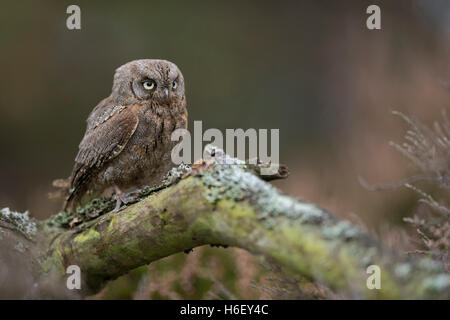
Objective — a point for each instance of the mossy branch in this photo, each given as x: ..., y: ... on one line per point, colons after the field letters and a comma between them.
x: 221, y: 201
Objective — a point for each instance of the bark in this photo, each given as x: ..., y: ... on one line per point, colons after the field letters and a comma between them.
x: 221, y: 204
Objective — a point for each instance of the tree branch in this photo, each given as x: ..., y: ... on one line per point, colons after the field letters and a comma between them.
x: 223, y: 202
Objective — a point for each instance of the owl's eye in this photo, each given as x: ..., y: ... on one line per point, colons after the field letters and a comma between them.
x: 149, y: 85
x: 174, y: 85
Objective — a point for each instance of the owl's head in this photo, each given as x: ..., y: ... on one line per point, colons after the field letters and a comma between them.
x: 148, y: 79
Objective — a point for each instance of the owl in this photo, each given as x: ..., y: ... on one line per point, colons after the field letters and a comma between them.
x: 127, y: 143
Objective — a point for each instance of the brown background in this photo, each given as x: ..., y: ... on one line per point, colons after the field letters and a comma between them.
x: 309, y: 68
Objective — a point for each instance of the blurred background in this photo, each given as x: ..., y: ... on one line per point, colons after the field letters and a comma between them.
x: 310, y: 68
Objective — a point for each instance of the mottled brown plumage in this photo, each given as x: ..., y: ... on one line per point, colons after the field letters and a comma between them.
x: 127, y: 141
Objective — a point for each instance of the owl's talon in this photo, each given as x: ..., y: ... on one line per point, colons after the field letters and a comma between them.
x: 134, y: 193
x: 125, y: 198
x: 120, y: 198
x: 132, y: 196
x: 118, y: 204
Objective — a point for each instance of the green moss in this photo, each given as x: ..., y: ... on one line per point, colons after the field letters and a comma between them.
x: 53, y: 261
x: 89, y: 211
x: 316, y: 255
x: 61, y: 219
x: 96, y: 208
x: 237, y: 211
x: 128, y: 252
x: 88, y: 236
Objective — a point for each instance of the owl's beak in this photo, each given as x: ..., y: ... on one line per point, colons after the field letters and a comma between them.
x: 166, y: 93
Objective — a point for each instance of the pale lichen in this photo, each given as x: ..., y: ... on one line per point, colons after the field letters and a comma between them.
x: 403, y: 271
x: 175, y: 174
x: 429, y: 265
x: 20, y: 221
x: 226, y: 178
x: 342, y: 229
x: 20, y: 247
x: 437, y: 283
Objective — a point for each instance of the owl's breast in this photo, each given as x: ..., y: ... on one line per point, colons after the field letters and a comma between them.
x: 157, y: 124
x: 147, y: 157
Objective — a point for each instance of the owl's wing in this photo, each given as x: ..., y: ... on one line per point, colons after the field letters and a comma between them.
x: 104, y: 140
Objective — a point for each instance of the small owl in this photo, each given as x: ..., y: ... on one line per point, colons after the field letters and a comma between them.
x: 127, y: 143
